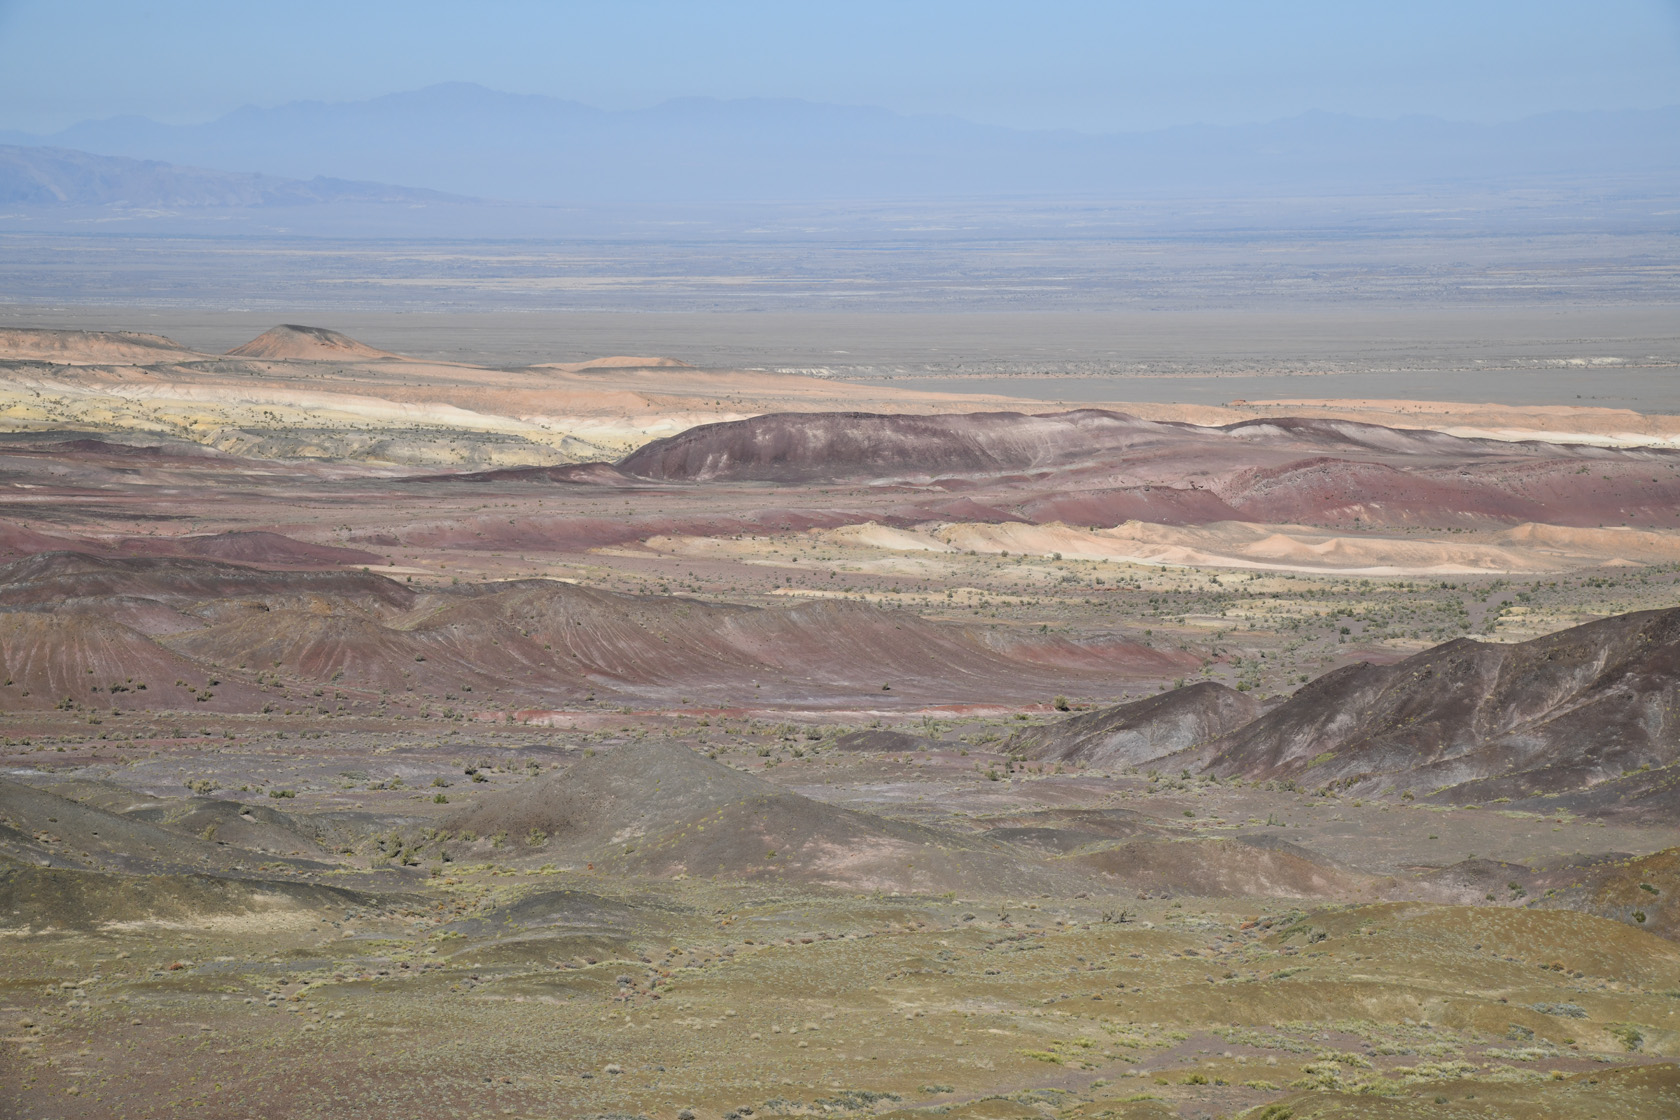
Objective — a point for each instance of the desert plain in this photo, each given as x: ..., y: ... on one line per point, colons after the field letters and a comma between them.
x: 634, y: 736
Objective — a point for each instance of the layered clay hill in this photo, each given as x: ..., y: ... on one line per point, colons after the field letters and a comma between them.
x: 309, y: 393
x: 1098, y: 467
x: 251, y: 546
x: 1559, y: 713
x: 799, y: 447
x: 159, y: 633
x: 660, y: 809
x: 24, y: 344
x: 1140, y: 732
x: 308, y: 343
x: 1584, y: 721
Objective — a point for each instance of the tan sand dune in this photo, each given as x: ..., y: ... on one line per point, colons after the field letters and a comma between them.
x: 1237, y: 544
x: 1636, y: 545
x: 1530, y: 548
x: 872, y: 535
x: 617, y: 361
x: 1608, y: 427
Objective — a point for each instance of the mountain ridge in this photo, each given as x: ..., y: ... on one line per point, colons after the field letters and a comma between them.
x: 53, y: 176
x: 466, y: 139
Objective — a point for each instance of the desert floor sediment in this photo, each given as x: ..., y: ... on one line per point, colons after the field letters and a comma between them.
x: 615, y: 736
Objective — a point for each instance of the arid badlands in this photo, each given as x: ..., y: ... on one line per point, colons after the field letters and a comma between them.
x: 396, y: 737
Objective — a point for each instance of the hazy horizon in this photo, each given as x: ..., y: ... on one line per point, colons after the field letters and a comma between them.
x: 49, y: 130
x: 821, y: 125
x: 479, y: 144
x: 1089, y: 67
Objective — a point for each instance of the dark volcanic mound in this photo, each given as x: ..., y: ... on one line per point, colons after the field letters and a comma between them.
x: 616, y: 795
x: 565, y: 910
x: 1643, y: 891
x: 1142, y: 731
x: 43, y: 829
x: 1066, y: 830
x: 42, y: 899
x: 253, y: 827
x: 894, y: 742
x: 1544, y: 716
x: 1650, y: 796
x: 290, y: 340
x: 1233, y: 867
x: 1639, y: 891
x: 661, y: 809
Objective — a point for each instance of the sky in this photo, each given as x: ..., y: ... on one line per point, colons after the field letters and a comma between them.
x: 1091, y: 66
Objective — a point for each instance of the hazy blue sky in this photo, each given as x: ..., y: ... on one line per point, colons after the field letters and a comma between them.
x: 1075, y: 64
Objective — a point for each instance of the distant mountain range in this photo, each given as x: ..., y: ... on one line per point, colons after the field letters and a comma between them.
x: 467, y: 140
x: 62, y: 177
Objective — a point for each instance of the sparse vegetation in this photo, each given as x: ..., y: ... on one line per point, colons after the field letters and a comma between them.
x: 858, y: 861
